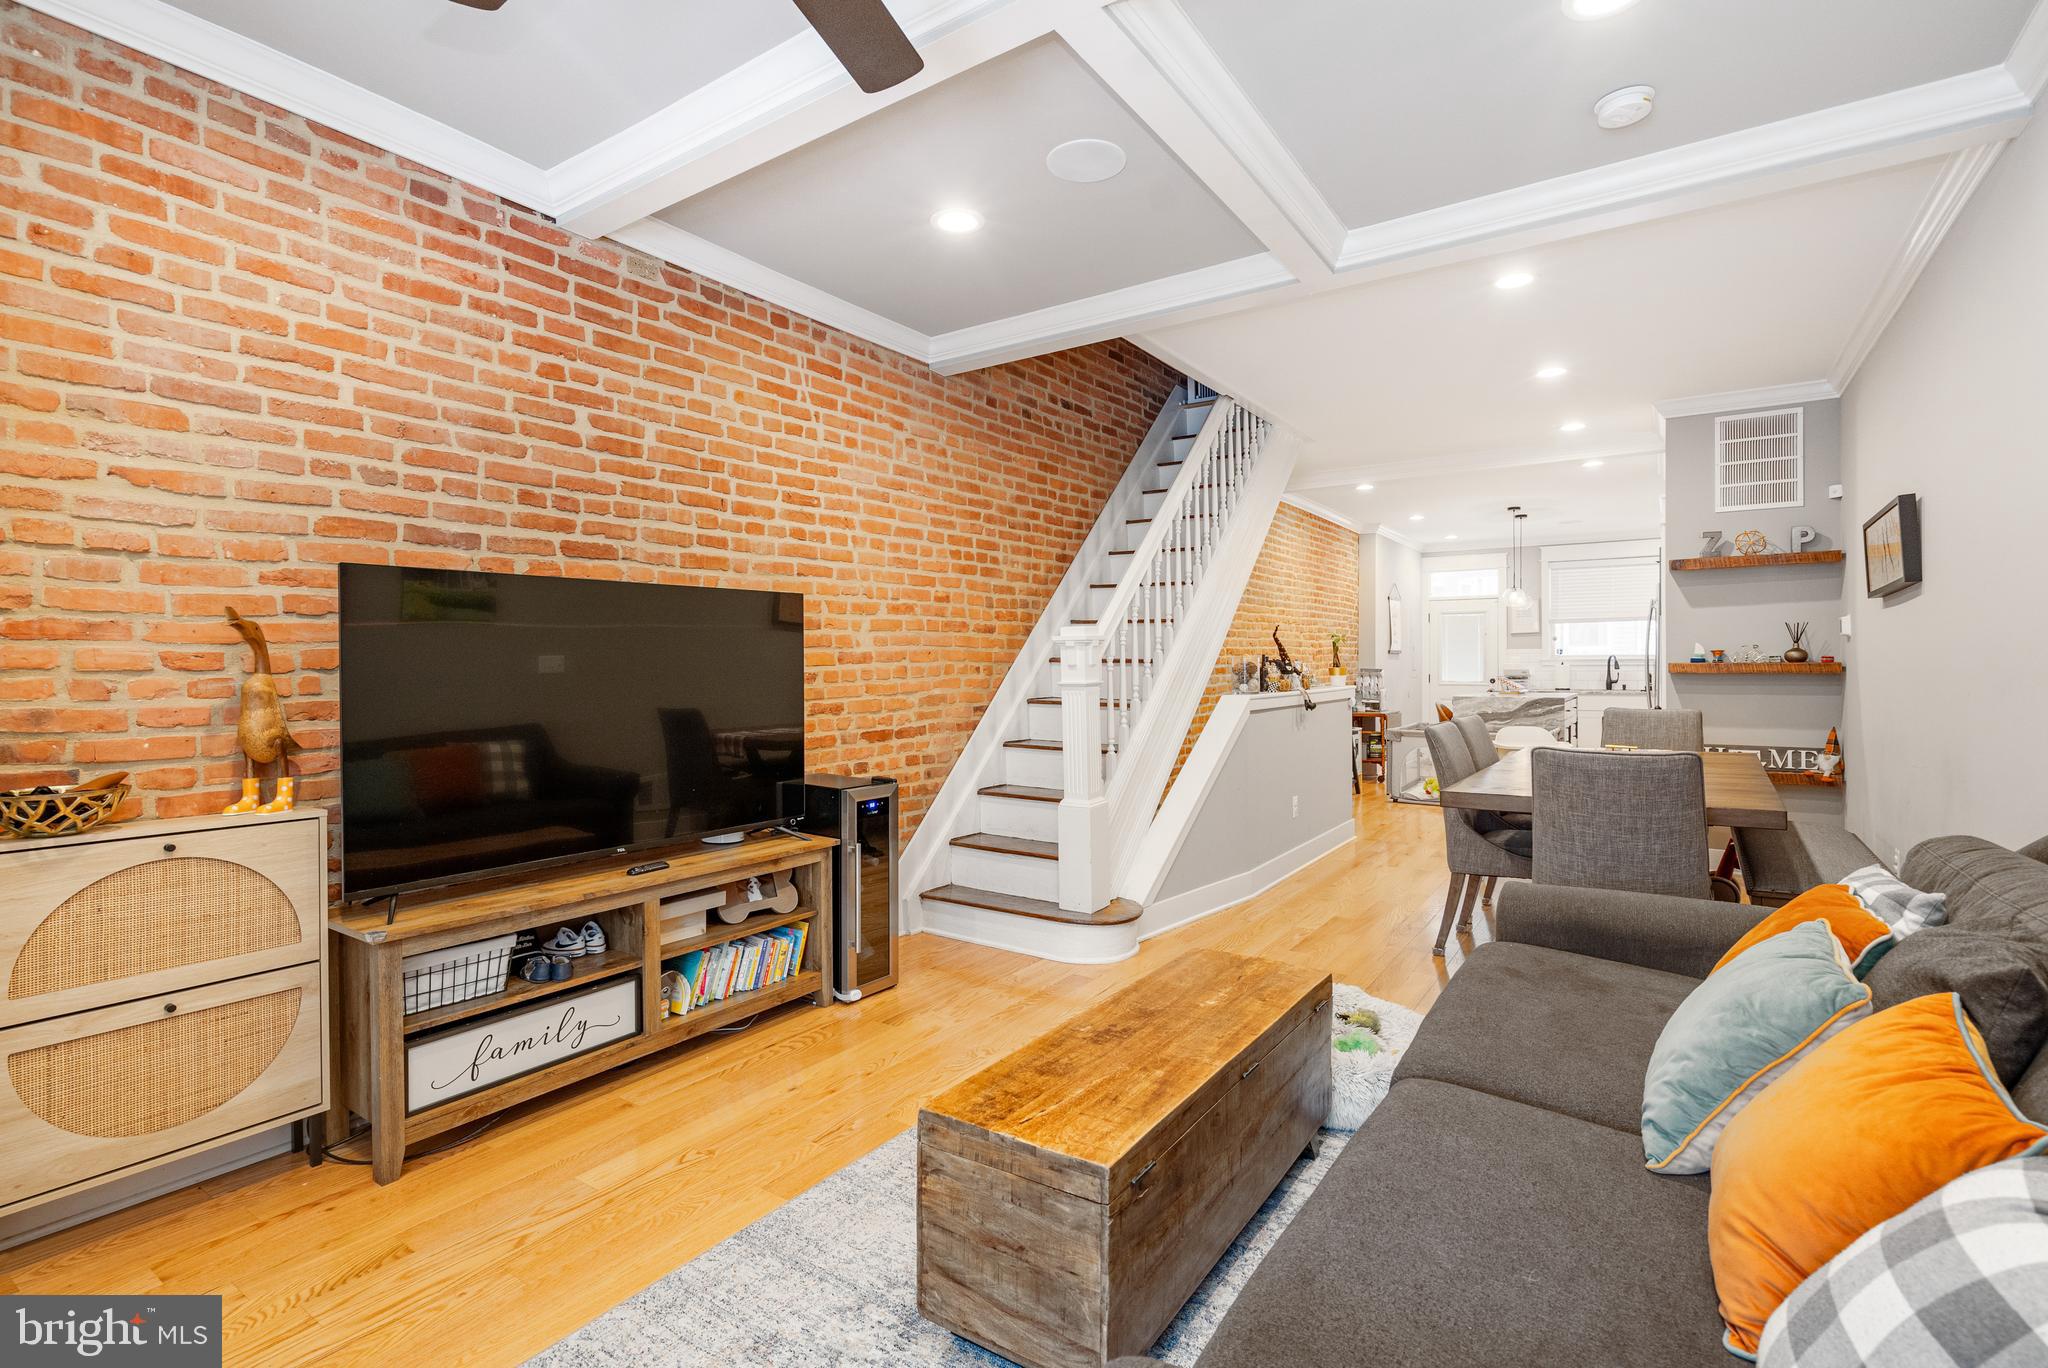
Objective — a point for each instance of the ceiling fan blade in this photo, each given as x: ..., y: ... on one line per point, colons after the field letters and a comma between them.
x: 866, y: 39
x: 483, y: 4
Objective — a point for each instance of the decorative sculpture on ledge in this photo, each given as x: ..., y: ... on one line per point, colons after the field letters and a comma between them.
x: 262, y: 731
x: 1285, y: 664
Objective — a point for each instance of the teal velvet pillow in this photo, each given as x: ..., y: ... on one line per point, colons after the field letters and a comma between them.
x: 1747, y: 1022
x: 379, y: 791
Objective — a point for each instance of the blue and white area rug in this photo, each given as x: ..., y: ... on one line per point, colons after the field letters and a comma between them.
x: 775, y: 1294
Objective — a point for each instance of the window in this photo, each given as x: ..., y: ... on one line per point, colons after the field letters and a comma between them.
x: 1477, y: 583
x: 1600, y: 608
x: 1760, y: 461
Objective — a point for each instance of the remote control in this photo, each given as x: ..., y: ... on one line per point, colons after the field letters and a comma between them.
x: 650, y: 867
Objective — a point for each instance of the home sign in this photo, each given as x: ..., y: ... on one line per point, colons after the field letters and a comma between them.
x: 490, y: 1051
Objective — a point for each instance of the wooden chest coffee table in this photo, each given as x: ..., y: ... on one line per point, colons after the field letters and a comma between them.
x: 1072, y: 1196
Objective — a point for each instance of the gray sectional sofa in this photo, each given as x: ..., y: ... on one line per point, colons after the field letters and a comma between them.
x: 1495, y: 1209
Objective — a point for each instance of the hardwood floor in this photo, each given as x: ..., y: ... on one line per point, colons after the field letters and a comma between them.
x: 494, y: 1250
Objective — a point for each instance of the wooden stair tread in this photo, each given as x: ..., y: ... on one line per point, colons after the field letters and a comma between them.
x: 1169, y: 463
x: 1117, y: 913
x: 1029, y: 793
x: 1008, y: 845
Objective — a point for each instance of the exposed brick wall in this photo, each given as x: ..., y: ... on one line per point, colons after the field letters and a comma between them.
x: 1305, y: 583
x: 237, y: 348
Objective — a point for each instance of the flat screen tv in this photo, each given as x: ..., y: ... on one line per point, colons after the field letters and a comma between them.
x: 491, y: 722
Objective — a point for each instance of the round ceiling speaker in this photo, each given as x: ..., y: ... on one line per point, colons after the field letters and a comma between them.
x: 1085, y: 160
x: 1620, y: 108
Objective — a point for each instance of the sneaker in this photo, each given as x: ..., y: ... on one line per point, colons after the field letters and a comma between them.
x: 593, y: 938
x: 558, y: 969
x: 534, y: 969
x: 565, y: 942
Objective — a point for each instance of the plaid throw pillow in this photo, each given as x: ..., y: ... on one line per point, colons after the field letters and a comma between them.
x: 505, y: 770
x: 1959, y: 1278
x: 1904, y: 908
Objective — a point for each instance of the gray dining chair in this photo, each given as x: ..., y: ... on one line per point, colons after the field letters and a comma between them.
x: 1478, y: 740
x: 1676, y: 729
x: 1608, y: 819
x: 1479, y: 848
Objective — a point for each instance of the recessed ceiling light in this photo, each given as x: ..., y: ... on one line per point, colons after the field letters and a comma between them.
x: 1591, y: 465
x: 1365, y: 489
x: 1573, y: 426
x: 1085, y: 160
x: 1552, y: 373
x: 1620, y: 108
x: 1595, y: 9
x: 1513, y: 280
x: 1414, y: 517
x: 1450, y: 536
x: 956, y: 220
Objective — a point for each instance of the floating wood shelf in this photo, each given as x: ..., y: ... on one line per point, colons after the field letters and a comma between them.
x: 1805, y: 779
x: 583, y: 973
x: 1758, y: 562
x: 1757, y: 667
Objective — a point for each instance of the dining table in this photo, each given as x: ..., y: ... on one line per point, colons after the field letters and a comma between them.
x: 1739, y: 790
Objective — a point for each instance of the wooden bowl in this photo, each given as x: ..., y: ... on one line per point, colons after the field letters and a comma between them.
x: 63, y: 813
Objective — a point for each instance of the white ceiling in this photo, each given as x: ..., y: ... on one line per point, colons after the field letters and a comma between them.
x: 1318, y: 195
x: 1565, y: 502
x: 1405, y: 105
x: 851, y: 212
x: 1441, y: 363
x: 540, y: 79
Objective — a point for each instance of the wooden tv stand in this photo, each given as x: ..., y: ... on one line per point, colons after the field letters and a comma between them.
x: 372, y: 1030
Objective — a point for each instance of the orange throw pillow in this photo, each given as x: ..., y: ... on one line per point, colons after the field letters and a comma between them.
x: 1864, y: 935
x: 1891, y: 1109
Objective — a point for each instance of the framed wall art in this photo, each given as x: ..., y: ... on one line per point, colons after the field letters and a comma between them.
x: 1891, y: 547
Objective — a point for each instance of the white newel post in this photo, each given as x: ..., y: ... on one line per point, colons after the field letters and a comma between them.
x: 1084, y: 810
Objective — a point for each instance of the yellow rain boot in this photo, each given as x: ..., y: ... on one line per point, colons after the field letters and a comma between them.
x: 252, y: 794
x: 283, y: 801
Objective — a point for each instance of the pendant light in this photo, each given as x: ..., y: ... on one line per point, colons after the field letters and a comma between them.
x: 1517, y: 596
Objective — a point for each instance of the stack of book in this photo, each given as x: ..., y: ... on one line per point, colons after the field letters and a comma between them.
x: 740, y: 966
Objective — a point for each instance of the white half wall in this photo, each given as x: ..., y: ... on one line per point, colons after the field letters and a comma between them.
x: 1940, y: 728
x: 1265, y: 791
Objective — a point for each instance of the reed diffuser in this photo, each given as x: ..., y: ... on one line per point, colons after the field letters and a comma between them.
x: 1797, y: 631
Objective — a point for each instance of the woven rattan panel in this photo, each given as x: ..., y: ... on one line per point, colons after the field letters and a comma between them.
x: 159, y: 915
x: 143, y: 1079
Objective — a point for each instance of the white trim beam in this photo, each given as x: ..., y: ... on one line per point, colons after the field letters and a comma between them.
x: 1766, y: 396
x: 1476, y: 462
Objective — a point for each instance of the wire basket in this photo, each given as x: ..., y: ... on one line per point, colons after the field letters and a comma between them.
x: 64, y: 813
x: 442, y: 978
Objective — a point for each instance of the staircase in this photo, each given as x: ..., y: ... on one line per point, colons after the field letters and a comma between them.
x: 1025, y: 844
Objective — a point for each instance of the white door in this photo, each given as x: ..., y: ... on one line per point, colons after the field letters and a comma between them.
x: 1464, y: 648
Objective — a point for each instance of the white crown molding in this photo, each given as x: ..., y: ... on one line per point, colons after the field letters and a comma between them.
x: 1960, y: 176
x: 1391, y: 534
x: 794, y: 93
x: 1767, y: 396
x: 1162, y: 31
x: 2028, y: 60
x: 1984, y: 105
x: 1323, y: 511
x: 222, y: 55
x: 1476, y: 462
x: 692, y: 253
x: 1111, y: 314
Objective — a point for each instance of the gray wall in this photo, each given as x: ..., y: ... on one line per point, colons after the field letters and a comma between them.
x: 1952, y: 406
x: 1730, y: 608
x: 1286, y: 781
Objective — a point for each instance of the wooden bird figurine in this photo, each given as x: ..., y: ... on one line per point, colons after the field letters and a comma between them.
x: 262, y: 728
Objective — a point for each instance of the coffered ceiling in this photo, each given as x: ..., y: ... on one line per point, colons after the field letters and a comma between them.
x: 1316, y: 192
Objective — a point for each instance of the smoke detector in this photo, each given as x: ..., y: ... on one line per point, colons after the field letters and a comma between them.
x: 1620, y: 108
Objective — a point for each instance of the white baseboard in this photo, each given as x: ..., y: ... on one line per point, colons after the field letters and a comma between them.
x: 1170, y: 914
x: 64, y: 1212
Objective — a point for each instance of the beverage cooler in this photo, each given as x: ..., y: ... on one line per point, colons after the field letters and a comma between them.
x: 861, y: 813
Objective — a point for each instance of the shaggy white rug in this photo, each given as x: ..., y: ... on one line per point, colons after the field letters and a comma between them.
x: 1359, y: 1077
